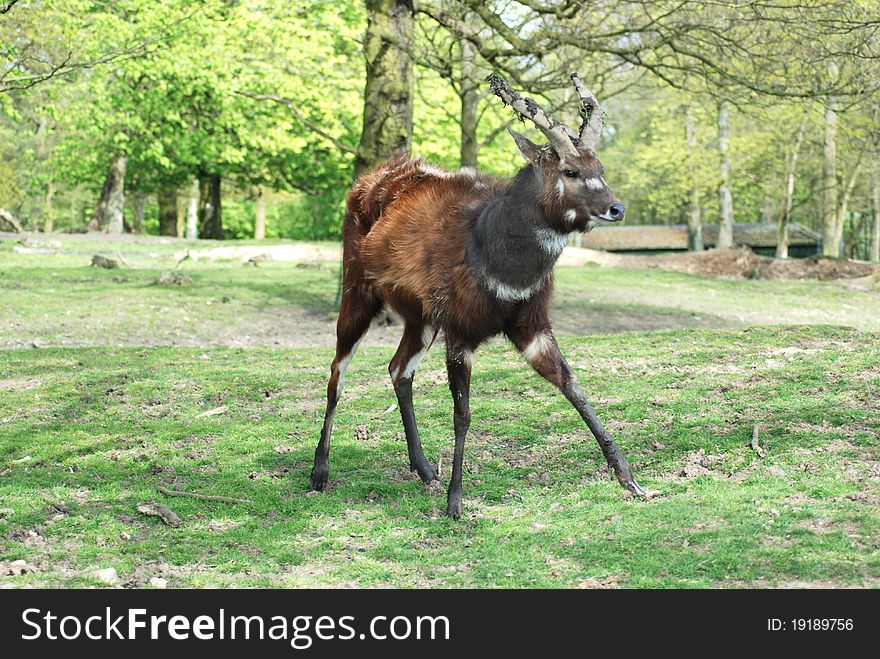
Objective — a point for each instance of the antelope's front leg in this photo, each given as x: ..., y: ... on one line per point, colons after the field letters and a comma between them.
x: 542, y: 352
x: 458, y: 366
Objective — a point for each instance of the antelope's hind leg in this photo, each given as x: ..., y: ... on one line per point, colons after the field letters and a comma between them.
x: 417, y: 338
x: 355, y: 315
x: 459, y: 360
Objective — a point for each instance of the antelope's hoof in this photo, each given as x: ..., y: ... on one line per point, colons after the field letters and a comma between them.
x: 631, y: 486
x: 453, y: 507
x: 319, y: 480
x: 426, y: 472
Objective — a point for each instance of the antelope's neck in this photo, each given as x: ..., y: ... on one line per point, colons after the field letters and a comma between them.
x: 513, y: 249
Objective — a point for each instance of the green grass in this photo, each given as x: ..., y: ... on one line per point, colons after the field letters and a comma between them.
x: 88, y: 433
x: 58, y: 301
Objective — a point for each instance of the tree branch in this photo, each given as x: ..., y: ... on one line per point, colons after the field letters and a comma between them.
x: 21, y: 83
x: 300, y: 117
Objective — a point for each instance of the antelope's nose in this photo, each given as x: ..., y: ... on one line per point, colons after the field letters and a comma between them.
x: 617, y: 211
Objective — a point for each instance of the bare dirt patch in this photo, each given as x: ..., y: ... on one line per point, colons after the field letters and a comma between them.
x: 302, y: 252
x: 696, y: 464
x: 742, y: 263
x: 20, y: 384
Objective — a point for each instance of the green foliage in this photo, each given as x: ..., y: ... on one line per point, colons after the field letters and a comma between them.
x: 175, y: 111
x: 159, y: 82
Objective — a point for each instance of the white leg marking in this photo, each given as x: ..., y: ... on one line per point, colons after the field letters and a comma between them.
x: 410, y: 367
x: 467, y: 357
x: 343, y: 367
x: 413, y: 363
x: 537, y: 345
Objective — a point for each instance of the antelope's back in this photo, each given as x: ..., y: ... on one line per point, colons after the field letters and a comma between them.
x: 409, y: 223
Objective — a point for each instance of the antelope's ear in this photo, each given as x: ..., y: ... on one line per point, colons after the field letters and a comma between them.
x: 529, y: 149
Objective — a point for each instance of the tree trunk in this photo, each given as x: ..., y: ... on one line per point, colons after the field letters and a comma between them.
x: 41, y: 156
x: 49, y: 209
x: 843, y: 208
x: 388, y: 94
x: 116, y: 198
x: 167, y: 212
x: 181, y: 215
x: 875, y: 203
x: 788, y: 204
x: 210, y: 211
x: 695, y: 211
x: 725, y: 196
x: 260, y: 216
x: 470, y: 148
x: 112, y: 196
x: 99, y: 213
x: 830, y: 245
x: 192, y: 211
x: 32, y: 213
x: 77, y: 207
x: 140, y: 202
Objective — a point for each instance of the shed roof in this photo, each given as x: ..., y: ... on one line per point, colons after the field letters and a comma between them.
x: 674, y: 236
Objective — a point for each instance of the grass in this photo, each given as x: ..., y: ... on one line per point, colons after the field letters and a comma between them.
x: 57, y: 301
x: 88, y: 433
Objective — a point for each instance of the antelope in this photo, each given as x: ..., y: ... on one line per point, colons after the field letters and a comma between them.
x: 471, y: 256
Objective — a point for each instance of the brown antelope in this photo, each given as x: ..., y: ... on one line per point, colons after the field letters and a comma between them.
x: 471, y: 256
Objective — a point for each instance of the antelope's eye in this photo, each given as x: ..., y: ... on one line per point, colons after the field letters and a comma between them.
x: 570, y: 173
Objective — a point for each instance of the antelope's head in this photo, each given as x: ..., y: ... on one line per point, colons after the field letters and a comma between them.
x: 575, y: 196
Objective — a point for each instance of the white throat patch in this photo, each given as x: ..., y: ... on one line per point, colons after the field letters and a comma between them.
x: 509, y: 293
x: 552, y: 242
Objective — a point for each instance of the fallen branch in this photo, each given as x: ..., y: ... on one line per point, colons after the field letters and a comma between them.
x: 756, y: 447
x: 214, y: 412
x: 9, y: 218
x: 122, y: 259
x: 204, y: 497
x: 160, y: 510
x: 181, y: 260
